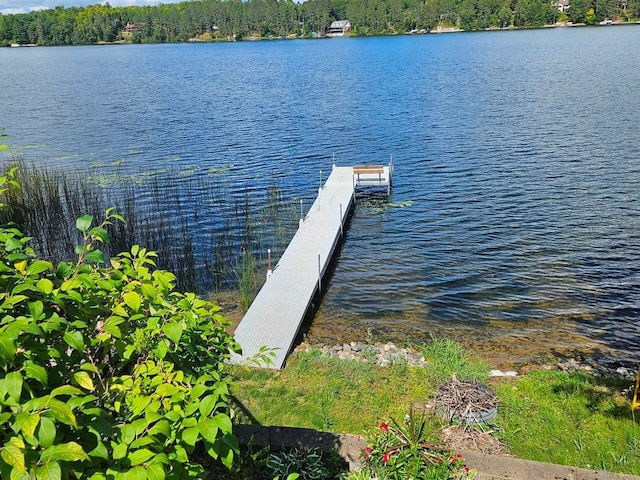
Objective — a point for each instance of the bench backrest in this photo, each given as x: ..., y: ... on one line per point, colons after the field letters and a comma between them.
x: 367, y: 169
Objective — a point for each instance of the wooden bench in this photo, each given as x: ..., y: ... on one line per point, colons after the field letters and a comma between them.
x: 369, y: 170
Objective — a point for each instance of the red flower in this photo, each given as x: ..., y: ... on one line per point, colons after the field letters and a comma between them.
x: 466, y: 469
x: 384, y: 427
x: 452, y: 459
x: 386, y: 457
x: 367, y: 449
x: 459, y: 456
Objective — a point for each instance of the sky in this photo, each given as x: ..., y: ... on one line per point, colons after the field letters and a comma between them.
x: 26, y: 6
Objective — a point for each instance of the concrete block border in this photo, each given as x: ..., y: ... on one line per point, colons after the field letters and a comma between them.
x: 350, y: 447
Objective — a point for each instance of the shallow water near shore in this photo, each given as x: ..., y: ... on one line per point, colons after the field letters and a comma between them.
x: 514, y: 221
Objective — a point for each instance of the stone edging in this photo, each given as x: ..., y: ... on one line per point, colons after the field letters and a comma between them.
x: 386, y: 354
x: 350, y: 447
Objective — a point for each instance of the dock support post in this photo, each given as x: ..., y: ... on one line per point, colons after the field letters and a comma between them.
x: 319, y: 274
x: 341, y: 232
x: 320, y: 187
x: 390, y: 179
x: 269, y: 270
x: 301, y: 216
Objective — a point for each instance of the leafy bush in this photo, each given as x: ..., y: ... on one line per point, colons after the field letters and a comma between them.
x: 106, y: 371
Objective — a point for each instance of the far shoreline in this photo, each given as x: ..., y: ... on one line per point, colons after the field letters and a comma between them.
x: 436, y: 31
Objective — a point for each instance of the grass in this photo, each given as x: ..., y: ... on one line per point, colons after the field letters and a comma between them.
x: 569, y: 418
x: 572, y: 419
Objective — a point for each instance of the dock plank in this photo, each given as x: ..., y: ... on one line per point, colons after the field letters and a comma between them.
x: 275, y: 316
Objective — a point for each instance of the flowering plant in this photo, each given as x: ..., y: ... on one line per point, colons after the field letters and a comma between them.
x: 405, y: 451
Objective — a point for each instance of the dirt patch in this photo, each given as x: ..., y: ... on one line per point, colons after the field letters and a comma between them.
x: 458, y: 437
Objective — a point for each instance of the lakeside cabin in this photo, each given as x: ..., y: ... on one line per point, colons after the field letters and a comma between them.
x: 339, y: 28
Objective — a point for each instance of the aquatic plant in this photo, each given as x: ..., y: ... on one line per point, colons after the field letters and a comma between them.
x: 200, y: 228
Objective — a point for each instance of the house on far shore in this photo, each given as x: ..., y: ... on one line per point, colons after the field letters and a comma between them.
x: 562, y: 5
x: 134, y: 27
x: 339, y: 28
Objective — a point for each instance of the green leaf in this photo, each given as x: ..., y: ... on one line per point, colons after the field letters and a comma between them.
x: 39, y: 266
x: 148, y: 290
x: 209, y: 430
x: 190, y: 435
x: 36, y: 372
x: 139, y: 403
x: 94, y: 256
x: 49, y: 471
x: 84, y: 222
x: 162, y: 349
x: 127, y: 433
x: 140, y: 456
x: 62, y: 412
x: 65, y: 390
x: 28, y: 428
x: 136, y: 473
x: 167, y: 390
x: 45, y: 285
x: 97, y: 476
x: 119, y: 451
x: 164, y: 278
x: 207, y: 403
x: 161, y: 427
x: 46, y: 432
x: 7, y: 347
x: 226, y: 455
x: 68, y: 452
x: 180, y: 454
x: 100, y: 234
x: 74, y: 340
x: 13, y: 454
x: 12, y: 244
x: 143, y: 441
x: 70, y: 284
x: 13, y: 384
x: 84, y: 380
x: 100, y: 451
x: 89, y: 367
x: 173, y: 330
x: 13, y: 300
x: 132, y: 299
x: 64, y: 270
x: 155, y: 472
x: 35, y: 309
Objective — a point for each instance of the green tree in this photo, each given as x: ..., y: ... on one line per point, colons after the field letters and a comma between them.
x: 577, y: 13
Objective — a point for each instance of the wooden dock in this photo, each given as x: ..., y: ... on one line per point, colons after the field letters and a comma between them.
x: 275, y: 316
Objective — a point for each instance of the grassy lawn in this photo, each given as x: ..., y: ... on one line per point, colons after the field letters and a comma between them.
x: 570, y: 418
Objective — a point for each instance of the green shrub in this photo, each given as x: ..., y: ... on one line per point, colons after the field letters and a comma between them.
x: 106, y: 371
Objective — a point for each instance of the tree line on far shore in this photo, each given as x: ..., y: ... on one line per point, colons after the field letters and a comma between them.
x: 236, y: 19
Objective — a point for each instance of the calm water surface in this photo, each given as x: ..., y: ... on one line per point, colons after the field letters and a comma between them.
x: 514, y: 219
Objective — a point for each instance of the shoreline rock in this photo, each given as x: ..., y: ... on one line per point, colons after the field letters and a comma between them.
x: 388, y: 354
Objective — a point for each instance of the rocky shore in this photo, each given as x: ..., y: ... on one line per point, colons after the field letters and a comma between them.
x: 386, y: 354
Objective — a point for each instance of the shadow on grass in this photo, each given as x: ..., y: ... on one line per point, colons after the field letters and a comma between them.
x: 602, y: 387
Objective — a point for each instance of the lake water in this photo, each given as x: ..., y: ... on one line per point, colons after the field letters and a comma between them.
x: 514, y: 221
